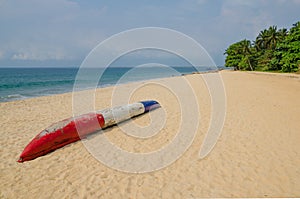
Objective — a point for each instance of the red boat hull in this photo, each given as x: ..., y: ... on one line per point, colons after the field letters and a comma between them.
x: 46, y: 142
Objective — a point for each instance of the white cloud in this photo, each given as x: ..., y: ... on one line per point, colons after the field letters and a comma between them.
x: 296, y: 1
x: 20, y: 56
x: 250, y: 17
x: 30, y: 55
x: 201, y: 2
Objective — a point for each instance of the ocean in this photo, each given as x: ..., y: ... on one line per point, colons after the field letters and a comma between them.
x: 22, y: 83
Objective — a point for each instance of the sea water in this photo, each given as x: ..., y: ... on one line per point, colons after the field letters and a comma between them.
x: 22, y: 83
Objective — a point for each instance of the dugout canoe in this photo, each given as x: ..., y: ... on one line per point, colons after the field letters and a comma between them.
x: 73, y: 129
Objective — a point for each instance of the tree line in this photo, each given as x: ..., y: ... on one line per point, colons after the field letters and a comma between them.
x: 273, y: 50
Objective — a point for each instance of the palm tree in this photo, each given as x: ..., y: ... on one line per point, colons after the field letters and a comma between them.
x: 273, y: 37
x: 245, y: 47
x: 261, y: 40
x: 245, y: 50
x: 282, y: 33
x: 268, y: 38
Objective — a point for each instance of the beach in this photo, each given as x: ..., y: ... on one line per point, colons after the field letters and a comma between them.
x: 256, y: 155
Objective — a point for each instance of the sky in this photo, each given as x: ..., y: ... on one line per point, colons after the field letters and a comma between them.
x: 61, y: 33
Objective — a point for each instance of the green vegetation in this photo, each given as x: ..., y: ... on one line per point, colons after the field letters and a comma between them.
x: 273, y: 50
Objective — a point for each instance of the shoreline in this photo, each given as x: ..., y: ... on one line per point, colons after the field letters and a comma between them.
x: 289, y: 75
x: 114, y: 85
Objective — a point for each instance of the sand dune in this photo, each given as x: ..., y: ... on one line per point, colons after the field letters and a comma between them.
x: 257, y: 154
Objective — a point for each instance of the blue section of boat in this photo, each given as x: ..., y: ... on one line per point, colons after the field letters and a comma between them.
x: 150, y: 105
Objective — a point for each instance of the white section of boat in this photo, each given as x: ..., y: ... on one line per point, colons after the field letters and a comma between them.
x: 118, y: 114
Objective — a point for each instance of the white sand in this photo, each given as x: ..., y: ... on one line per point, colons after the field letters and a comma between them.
x: 257, y: 154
